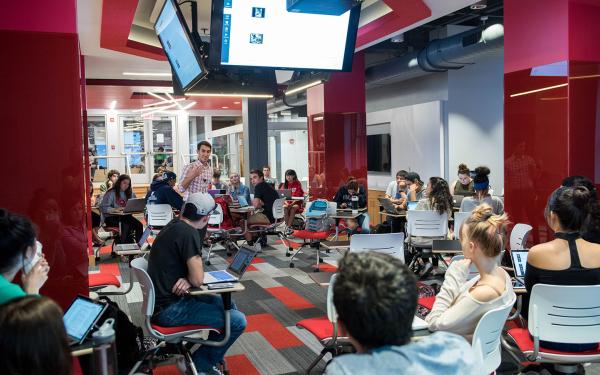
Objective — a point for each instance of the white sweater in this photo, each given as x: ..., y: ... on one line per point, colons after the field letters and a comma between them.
x: 455, y: 309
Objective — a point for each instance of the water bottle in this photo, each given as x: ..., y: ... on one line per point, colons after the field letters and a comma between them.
x: 104, y: 358
x: 354, y: 204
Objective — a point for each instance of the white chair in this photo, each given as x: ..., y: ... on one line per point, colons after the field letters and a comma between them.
x: 563, y: 314
x: 220, y: 233
x: 486, y: 339
x: 427, y: 224
x: 459, y: 219
x: 173, y: 335
x: 519, y: 236
x: 278, y: 215
x: 325, y: 329
x: 159, y: 215
x: 388, y: 243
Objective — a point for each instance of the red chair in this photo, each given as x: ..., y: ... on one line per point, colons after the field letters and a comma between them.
x: 325, y: 330
x: 173, y: 335
x: 309, y: 237
x: 562, y: 314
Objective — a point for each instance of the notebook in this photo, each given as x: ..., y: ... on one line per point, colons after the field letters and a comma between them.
x: 80, y: 318
x: 236, y: 269
x: 418, y: 324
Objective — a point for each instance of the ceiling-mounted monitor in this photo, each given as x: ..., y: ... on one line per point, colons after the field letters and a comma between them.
x: 181, y: 51
x: 265, y: 34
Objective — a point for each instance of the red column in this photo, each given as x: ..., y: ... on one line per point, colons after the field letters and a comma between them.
x: 42, y: 146
x: 551, y: 84
x: 337, y: 132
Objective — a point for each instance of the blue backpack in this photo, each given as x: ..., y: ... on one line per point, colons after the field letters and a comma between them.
x: 316, y: 216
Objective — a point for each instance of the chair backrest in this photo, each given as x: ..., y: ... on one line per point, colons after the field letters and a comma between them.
x: 216, y: 217
x: 565, y: 313
x: 388, y: 243
x: 331, y: 208
x: 278, y: 212
x: 519, y: 236
x: 459, y: 218
x: 140, y: 269
x: 427, y: 223
x: 159, y: 215
x: 331, y: 312
x: 486, y: 338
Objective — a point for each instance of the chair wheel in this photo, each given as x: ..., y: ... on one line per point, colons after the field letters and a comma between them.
x: 229, y: 254
x: 291, y: 265
x: 288, y: 254
x: 316, y: 270
x: 321, y: 260
x: 207, y: 262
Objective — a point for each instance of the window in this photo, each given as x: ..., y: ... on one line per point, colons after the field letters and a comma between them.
x: 197, y: 134
x: 97, y: 147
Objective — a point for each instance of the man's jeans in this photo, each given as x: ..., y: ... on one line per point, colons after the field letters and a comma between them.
x: 206, y: 310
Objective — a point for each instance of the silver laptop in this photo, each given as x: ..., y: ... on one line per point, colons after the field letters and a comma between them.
x: 236, y: 269
x: 242, y: 201
x: 135, y: 205
x: 387, y: 205
x: 134, y: 246
x: 519, y: 259
x: 285, y: 193
x: 80, y: 318
x: 457, y: 200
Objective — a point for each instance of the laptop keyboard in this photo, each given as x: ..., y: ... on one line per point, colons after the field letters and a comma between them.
x: 220, y: 275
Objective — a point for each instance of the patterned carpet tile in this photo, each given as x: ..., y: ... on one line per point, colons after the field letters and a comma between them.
x: 272, y: 330
x: 289, y: 298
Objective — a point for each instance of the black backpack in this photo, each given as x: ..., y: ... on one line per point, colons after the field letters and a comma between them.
x: 384, y: 227
x: 129, y: 337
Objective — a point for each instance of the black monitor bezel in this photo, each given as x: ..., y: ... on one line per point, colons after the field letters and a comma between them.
x: 195, y: 49
x: 216, y: 35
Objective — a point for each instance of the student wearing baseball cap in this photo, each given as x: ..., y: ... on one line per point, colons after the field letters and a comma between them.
x: 416, y: 187
x: 175, y: 265
x: 162, y: 191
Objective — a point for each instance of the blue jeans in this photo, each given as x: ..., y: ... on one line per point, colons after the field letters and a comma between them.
x: 204, y: 310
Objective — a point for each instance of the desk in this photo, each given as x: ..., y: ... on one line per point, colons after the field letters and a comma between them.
x: 237, y: 287
x: 242, y: 210
x: 397, y: 219
x: 345, y: 214
x: 86, y: 348
x: 336, y: 245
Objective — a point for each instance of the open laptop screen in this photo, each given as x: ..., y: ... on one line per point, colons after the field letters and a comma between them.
x: 411, y: 205
x: 145, y: 236
x: 519, y: 258
x: 241, y: 261
x: 81, y: 316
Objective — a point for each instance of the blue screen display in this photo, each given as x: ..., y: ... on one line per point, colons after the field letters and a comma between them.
x: 177, y: 45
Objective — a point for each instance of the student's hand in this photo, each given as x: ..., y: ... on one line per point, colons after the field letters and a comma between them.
x: 413, y: 187
x: 344, y: 205
x: 181, y: 287
x: 37, y: 276
x: 196, y: 170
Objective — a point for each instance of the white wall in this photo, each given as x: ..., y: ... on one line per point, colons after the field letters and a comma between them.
x: 294, y: 154
x: 476, y: 118
x: 424, y: 89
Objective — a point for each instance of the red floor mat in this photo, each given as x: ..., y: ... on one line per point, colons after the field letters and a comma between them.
x: 289, y: 298
x: 105, y: 250
x: 112, y: 268
x: 240, y: 364
x: 326, y: 267
x: 273, y: 331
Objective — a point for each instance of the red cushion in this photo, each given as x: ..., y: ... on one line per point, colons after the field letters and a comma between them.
x: 179, y: 329
x: 320, y: 327
x: 525, y: 344
x: 103, y: 279
x: 426, y: 302
x: 308, y: 235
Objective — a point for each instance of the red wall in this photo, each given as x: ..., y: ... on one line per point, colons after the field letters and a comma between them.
x: 42, y: 137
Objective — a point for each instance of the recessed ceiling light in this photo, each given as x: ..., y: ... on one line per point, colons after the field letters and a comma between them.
x: 236, y: 102
x: 225, y: 107
x: 479, y: 5
x: 147, y: 74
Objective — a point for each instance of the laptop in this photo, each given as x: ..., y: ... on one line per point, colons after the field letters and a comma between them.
x: 285, y: 193
x: 519, y: 259
x: 457, y: 200
x: 80, y: 318
x: 411, y: 205
x: 236, y: 269
x: 134, y: 246
x: 388, y: 206
x: 242, y: 201
x: 216, y: 192
x: 135, y: 205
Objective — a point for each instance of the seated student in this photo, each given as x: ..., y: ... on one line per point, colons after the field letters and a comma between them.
x: 236, y: 188
x: 216, y: 182
x: 18, y: 247
x: 464, y: 185
x: 375, y: 296
x: 292, y: 207
x: 415, y: 187
x: 591, y: 227
x: 96, y: 240
x: 268, y: 179
x: 162, y: 191
x: 568, y: 259
x: 33, y: 339
x: 264, y: 197
x: 461, y: 302
x: 397, y: 190
x: 343, y: 198
x: 112, y: 177
x: 175, y: 265
x: 114, y: 201
x: 481, y: 184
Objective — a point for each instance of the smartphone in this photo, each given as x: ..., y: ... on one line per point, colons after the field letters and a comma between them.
x: 29, y: 263
x: 220, y: 286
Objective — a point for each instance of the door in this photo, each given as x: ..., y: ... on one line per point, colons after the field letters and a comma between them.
x: 148, y: 145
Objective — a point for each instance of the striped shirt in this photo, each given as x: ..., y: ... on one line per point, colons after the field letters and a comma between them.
x: 198, y: 184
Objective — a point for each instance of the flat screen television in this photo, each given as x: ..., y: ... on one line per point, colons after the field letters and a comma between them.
x: 379, y: 153
x: 265, y: 34
x: 181, y: 51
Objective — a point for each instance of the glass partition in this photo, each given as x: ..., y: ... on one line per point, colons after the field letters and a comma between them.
x: 97, y: 147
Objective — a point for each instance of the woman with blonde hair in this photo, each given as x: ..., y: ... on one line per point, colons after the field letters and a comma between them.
x: 462, y: 302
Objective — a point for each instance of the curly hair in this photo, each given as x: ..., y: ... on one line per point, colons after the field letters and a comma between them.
x: 440, y: 198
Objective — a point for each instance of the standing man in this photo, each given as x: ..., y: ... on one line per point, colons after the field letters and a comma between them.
x: 196, y: 176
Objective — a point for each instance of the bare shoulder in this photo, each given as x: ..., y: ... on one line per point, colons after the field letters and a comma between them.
x: 539, y: 254
x: 483, y: 293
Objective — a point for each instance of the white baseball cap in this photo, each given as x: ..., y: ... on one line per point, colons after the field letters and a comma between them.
x: 203, y: 203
